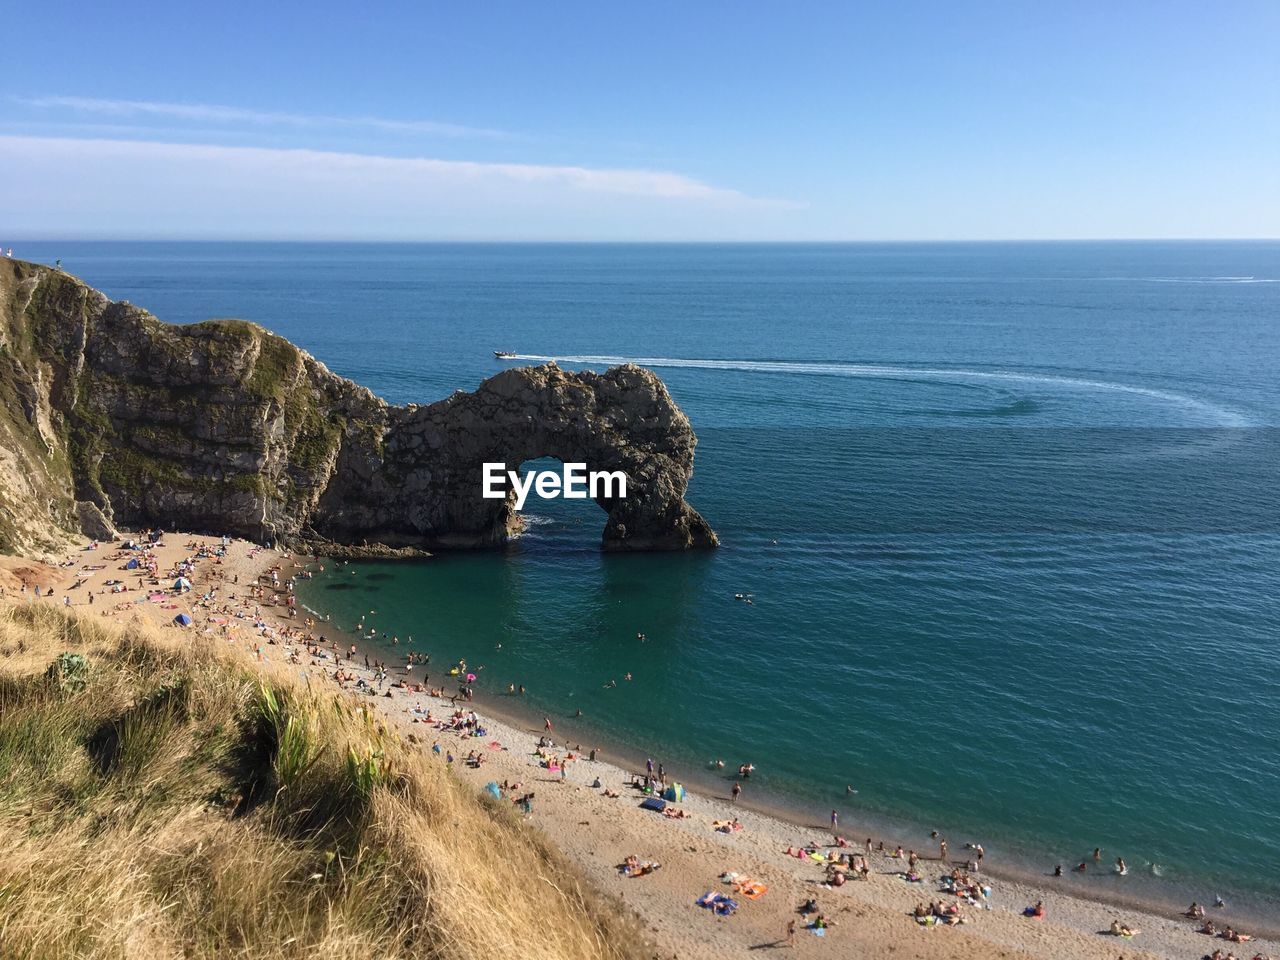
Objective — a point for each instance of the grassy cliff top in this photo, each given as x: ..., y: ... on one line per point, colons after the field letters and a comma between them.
x: 161, y: 797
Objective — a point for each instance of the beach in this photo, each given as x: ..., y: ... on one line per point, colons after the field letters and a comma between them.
x: 599, y: 832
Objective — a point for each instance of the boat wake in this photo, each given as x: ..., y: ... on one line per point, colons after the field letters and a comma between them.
x: 1221, y: 415
x: 1209, y: 280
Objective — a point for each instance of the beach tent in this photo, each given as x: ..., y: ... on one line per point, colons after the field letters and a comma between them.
x: 494, y: 789
x: 674, y: 793
x: 182, y: 620
x: 182, y: 583
x: 132, y: 564
x: 654, y: 803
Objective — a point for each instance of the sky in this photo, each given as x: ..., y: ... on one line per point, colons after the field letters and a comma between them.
x: 699, y: 120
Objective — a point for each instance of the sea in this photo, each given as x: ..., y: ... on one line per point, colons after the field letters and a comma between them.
x: 1000, y: 524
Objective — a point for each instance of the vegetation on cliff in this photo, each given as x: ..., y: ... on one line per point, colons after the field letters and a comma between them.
x: 160, y: 798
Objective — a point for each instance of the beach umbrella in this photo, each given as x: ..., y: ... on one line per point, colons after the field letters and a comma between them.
x: 182, y: 620
x: 182, y: 583
x: 132, y: 564
x: 471, y: 677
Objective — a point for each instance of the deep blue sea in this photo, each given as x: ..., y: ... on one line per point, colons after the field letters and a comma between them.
x: 1008, y: 515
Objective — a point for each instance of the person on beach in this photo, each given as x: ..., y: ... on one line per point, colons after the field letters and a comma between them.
x: 835, y: 821
x: 942, y: 850
x: 1119, y: 929
x: 736, y: 791
x: 546, y: 724
x: 791, y: 933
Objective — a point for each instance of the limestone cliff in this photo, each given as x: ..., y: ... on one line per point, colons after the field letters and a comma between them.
x: 108, y: 416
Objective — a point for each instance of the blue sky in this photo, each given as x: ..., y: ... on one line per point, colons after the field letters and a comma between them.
x: 695, y: 120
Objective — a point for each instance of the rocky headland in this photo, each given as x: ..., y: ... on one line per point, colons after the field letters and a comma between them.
x: 110, y: 417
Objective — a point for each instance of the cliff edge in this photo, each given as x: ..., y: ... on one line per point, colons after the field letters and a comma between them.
x: 109, y: 416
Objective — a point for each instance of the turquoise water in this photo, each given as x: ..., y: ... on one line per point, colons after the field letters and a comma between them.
x: 1026, y: 580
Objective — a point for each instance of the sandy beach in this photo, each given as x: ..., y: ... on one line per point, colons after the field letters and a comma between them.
x: 241, y: 592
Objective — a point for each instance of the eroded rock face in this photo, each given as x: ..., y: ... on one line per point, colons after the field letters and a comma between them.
x: 111, y: 416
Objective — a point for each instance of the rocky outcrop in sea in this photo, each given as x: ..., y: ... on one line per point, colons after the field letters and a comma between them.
x: 111, y: 417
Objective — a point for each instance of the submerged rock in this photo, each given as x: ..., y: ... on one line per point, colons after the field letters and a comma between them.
x: 111, y: 417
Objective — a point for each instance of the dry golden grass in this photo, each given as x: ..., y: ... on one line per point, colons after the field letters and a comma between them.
x: 181, y: 804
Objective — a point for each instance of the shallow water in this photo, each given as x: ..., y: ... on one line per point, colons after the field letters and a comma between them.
x: 1026, y: 578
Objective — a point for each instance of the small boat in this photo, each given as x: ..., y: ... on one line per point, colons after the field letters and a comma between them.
x: 503, y: 355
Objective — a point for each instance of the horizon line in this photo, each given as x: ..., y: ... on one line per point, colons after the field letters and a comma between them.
x: 479, y: 241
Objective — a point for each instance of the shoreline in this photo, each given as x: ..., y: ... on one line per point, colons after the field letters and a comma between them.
x: 597, y: 832
x: 792, y: 811
x: 1021, y: 866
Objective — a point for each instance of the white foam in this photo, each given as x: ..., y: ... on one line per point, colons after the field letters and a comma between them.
x: 1225, y: 415
x: 1208, y: 280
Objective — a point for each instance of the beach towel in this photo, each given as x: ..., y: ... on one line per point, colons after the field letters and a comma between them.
x: 718, y: 903
x: 653, y: 803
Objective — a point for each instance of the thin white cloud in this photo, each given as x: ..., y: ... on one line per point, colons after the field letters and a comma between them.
x: 131, y: 187
x: 229, y: 116
x: 332, y: 165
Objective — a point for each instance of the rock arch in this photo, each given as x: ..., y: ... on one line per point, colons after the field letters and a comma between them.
x: 108, y: 415
x: 623, y: 419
